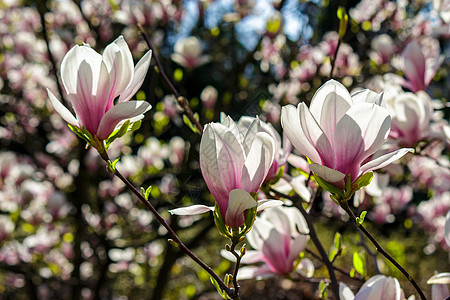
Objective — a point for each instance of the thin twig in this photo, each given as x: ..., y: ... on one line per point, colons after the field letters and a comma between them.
x: 180, y: 99
x: 333, y: 61
x: 347, y: 209
x: 373, y: 255
x: 234, y: 243
x: 172, y: 233
x: 312, y: 233
x: 49, y: 52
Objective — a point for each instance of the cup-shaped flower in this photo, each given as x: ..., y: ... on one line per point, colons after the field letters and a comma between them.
x: 188, y: 53
x: 99, y: 87
x: 230, y: 160
x: 277, y: 237
x: 411, y: 116
x: 418, y: 69
x: 339, y: 133
x: 378, y: 287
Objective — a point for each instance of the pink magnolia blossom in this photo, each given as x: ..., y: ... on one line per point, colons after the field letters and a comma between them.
x: 411, y: 116
x: 277, y: 237
x: 417, y: 68
x: 378, y: 287
x: 94, y: 82
x: 339, y: 132
x: 234, y: 165
x: 439, y: 286
x: 188, y: 53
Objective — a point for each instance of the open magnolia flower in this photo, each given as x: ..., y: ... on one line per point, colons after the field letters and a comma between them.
x: 278, y: 236
x: 339, y: 133
x: 378, y: 287
x: 234, y: 166
x: 99, y: 87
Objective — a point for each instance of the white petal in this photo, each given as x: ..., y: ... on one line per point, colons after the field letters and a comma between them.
x: 250, y: 257
x: 384, y: 160
x: 191, y: 210
x: 140, y: 71
x: 447, y: 229
x: 345, y: 293
x: 254, y: 272
x: 62, y: 110
x: 119, y: 112
x: 440, y: 278
x: 290, y: 122
x: 306, y: 268
x: 258, y: 162
x: 266, y: 203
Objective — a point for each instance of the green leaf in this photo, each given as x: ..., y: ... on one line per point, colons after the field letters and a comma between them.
x: 117, y: 133
x: 189, y: 123
x: 360, y: 219
x: 323, y: 289
x: 220, y: 224
x: 358, y: 263
x: 146, y: 192
x: 219, y: 290
x: 337, y: 240
x: 364, y: 180
x: 329, y: 187
x: 112, y: 165
x: 343, y: 21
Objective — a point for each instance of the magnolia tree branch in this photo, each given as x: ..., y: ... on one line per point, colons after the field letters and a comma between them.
x: 312, y: 233
x: 347, y: 209
x: 234, y: 243
x: 172, y: 233
x: 180, y: 99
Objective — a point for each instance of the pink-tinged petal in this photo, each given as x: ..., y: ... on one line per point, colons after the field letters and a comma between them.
x: 249, y: 132
x: 298, y: 162
x: 298, y: 184
x: 230, y: 156
x: 297, y: 221
x: 238, y: 203
x: 62, y: 110
x: 384, y: 160
x: 259, y: 233
x: 119, y: 112
x: 191, y: 210
x: 265, y: 204
x: 275, y: 250
x: 250, y: 257
x: 328, y: 106
x: 140, y: 71
x: 430, y: 71
x: 290, y: 122
x: 327, y: 174
x: 210, y: 168
x: 316, y: 137
x: 118, y: 60
x: 258, y: 162
x: 306, y: 268
x: 358, y: 135
x: 279, y: 220
x: 345, y: 293
x: 71, y: 63
x: 439, y: 292
x: 330, y: 93
x: 447, y: 229
x: 259, y: 273
x: 414, y: 66
x: 297, y: 246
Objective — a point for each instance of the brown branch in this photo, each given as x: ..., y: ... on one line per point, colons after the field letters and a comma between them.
x: 180, y: 99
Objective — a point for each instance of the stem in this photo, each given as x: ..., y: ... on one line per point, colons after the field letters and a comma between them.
x: 180, y: 99
x: 312, y: 233
x: 234, y: 243
x: 333, y: 61
x: 174, y: 236
x: 347, y: 209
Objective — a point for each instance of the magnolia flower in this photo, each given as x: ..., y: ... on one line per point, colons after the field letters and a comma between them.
x: 99, y: 87
x: 411, y: 116
x: 188, y: 53
x: 281, y: 154
x: 417, y: 69
x: 383, y: 48
x: 233, y: 165
x: 339, y: 132
x: 378, y: 287
x: 278, y: 236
